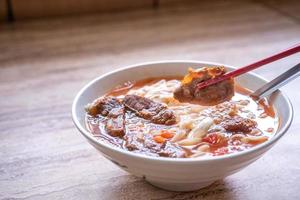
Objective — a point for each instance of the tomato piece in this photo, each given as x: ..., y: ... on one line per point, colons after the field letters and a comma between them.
x: 166, y: 134
x: 216, y: 139
x: 211, y: 138
x: 159, y: 139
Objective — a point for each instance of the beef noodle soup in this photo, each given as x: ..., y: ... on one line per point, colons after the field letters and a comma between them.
x: 144, y: 117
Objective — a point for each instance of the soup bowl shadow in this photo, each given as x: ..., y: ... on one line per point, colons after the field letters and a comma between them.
x: 176, y: 174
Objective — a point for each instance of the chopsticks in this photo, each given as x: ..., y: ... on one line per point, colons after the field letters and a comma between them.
x: 250, y: 67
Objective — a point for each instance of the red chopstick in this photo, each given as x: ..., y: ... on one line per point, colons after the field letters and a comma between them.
x: 250, y: 67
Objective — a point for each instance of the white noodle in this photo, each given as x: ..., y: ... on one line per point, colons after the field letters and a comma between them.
x: 201, y: 128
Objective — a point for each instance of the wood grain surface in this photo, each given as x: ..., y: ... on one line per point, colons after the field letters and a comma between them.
x: 44, y: 63
x: 54, y: 8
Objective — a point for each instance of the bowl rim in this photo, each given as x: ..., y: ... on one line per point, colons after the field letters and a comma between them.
x: 124, y: 152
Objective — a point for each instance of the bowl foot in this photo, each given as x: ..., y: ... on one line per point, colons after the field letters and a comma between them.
x: 180, y: 187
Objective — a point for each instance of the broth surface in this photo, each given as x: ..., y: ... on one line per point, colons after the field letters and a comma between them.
x: 199, y: 131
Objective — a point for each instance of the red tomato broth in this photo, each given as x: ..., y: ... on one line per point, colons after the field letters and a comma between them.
x: 217, y: 145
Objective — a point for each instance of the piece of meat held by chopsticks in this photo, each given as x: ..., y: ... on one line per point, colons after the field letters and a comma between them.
x: 211, y: 86
x: 210, y: 95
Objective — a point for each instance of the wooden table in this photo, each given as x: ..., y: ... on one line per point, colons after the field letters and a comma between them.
x: 43, y: 64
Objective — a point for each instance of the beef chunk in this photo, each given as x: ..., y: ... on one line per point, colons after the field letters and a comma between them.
x: 144, y: 143
x: 115, y: 126
x: 132, y: 141
x: 211, y: 95
x: 150, y: 110
x: 169, y: 149
x: 113, y: 110
x: 104, y: 106
x: 239, y: 124
x: 141, y: 143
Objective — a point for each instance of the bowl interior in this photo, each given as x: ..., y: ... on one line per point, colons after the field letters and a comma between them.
x: 104, y: 83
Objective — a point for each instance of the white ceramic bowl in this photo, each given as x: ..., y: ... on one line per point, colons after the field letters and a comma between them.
x: 177, y: 174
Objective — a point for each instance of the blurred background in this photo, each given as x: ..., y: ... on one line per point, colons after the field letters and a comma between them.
x: 32, y: 9
x: 49, y: 49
